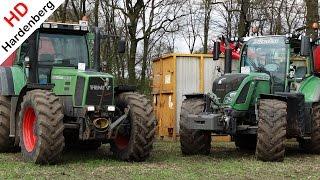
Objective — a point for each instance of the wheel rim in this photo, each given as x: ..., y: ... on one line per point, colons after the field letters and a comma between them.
x: 28, y: 129
x: 121, y: 142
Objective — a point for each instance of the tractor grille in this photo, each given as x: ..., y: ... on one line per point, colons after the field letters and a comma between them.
x: 97, y: 89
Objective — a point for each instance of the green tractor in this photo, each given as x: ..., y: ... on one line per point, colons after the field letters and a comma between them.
x: 52, y: 96
x: 274, y: 96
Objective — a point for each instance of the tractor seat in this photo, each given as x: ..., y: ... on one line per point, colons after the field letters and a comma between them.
x: 301, y: 72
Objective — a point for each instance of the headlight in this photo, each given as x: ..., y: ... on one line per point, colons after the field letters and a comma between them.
x: 111, y: 108
x: 228, y: 98
x: 90, y: 108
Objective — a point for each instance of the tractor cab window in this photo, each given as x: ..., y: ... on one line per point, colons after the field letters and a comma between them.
x: 268, y: 55
x: 62, y: 50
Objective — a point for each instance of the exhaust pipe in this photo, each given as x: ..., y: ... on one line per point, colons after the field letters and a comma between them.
x: 101, y: 124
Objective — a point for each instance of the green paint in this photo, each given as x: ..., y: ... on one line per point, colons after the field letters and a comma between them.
x: 310, y: 87
x: 259, y: 84
x: 19, y: 79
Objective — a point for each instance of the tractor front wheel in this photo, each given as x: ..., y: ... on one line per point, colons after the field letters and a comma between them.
x: 135, y: 139
x: 271, y: 130
x: 193, y: 141
x: 41, y: 127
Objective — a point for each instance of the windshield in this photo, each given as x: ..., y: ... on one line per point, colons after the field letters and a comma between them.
x: 268, y: 55
x: 62, y: 50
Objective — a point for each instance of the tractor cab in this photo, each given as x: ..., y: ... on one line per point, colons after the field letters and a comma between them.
x: 278, y: 56
x: 54, y: 45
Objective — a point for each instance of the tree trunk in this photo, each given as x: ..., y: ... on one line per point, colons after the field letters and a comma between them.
x: 207, y: 16
x: 144, y: 63
x: 64, y: 12
x: 312, y: 16
x: 244, y: 24
x: 96, y: 13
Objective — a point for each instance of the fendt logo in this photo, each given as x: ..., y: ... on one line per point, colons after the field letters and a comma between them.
x: 19, y: 19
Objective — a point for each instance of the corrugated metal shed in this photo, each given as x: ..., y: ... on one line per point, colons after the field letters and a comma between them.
x: 175, y: 75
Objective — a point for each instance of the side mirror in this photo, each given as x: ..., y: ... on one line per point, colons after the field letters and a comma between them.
x: 216, y: 51
x: 305, y: 48
x: 121, y: 46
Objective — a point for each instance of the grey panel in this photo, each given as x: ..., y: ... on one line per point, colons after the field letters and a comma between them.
x: 188, y: 80
x: 6, y: 81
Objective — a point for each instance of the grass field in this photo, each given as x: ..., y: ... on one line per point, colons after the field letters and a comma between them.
x: 166, y: 162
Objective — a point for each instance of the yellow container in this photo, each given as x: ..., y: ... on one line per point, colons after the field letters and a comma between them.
x: 175, y: 75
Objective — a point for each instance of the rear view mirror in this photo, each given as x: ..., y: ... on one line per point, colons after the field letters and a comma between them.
x: 305, y: 49
x: 216, y: 51
x: 121, y: 46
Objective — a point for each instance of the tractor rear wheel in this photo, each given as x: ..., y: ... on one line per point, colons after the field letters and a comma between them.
x: 136, y: 135
x: 245, y: 142
x: 271, y: 130
x: 313, y: 145
x: 41, y: 127
x: 193, y: 141
x: 6, y: 144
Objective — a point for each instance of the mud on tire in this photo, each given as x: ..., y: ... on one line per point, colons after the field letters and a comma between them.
x: 135, y: 142
x: 6, y: 144
x: 313, y: 145
x: 271, y: 130
x: 193, y: 141
x: 41, y: 127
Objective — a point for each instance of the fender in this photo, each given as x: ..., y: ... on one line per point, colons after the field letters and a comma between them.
x: 6, y: 82
x: 310, y: 88
x: 12, y: 80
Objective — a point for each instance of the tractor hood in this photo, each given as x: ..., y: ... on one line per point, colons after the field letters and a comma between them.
x: 85, y: 87
x: 239, y: 90
x: 226, y: 84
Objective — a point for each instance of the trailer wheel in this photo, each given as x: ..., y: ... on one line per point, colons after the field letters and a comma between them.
x: 136, y: 135
x: 271, y: 130
x: 193, y: 141
x: 313, y: 145
x: 6, y: 144
x: 41, y: 127
x: 245, y: 142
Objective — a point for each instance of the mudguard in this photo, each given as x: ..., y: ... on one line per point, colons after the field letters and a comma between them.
x: 6, y: 81
x: 12, y: 80
x: 310, y: 88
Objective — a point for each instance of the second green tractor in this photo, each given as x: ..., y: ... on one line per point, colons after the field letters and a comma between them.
x: 274, y: 96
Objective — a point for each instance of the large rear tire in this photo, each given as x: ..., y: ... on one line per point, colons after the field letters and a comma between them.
x: 135, y: 140
x: 271, y: 130
x: 193, y: 141
x: 6, y: 143
x: 41, y: 127
x: 313, y: 145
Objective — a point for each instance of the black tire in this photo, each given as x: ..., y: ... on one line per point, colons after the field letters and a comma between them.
x: 245, y: 142
x: 271, y: 130
x: 313, y: 145
x: 193, y: 141
x: 41, y: 117
x: 6, y: 143
x: 134, y: 142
